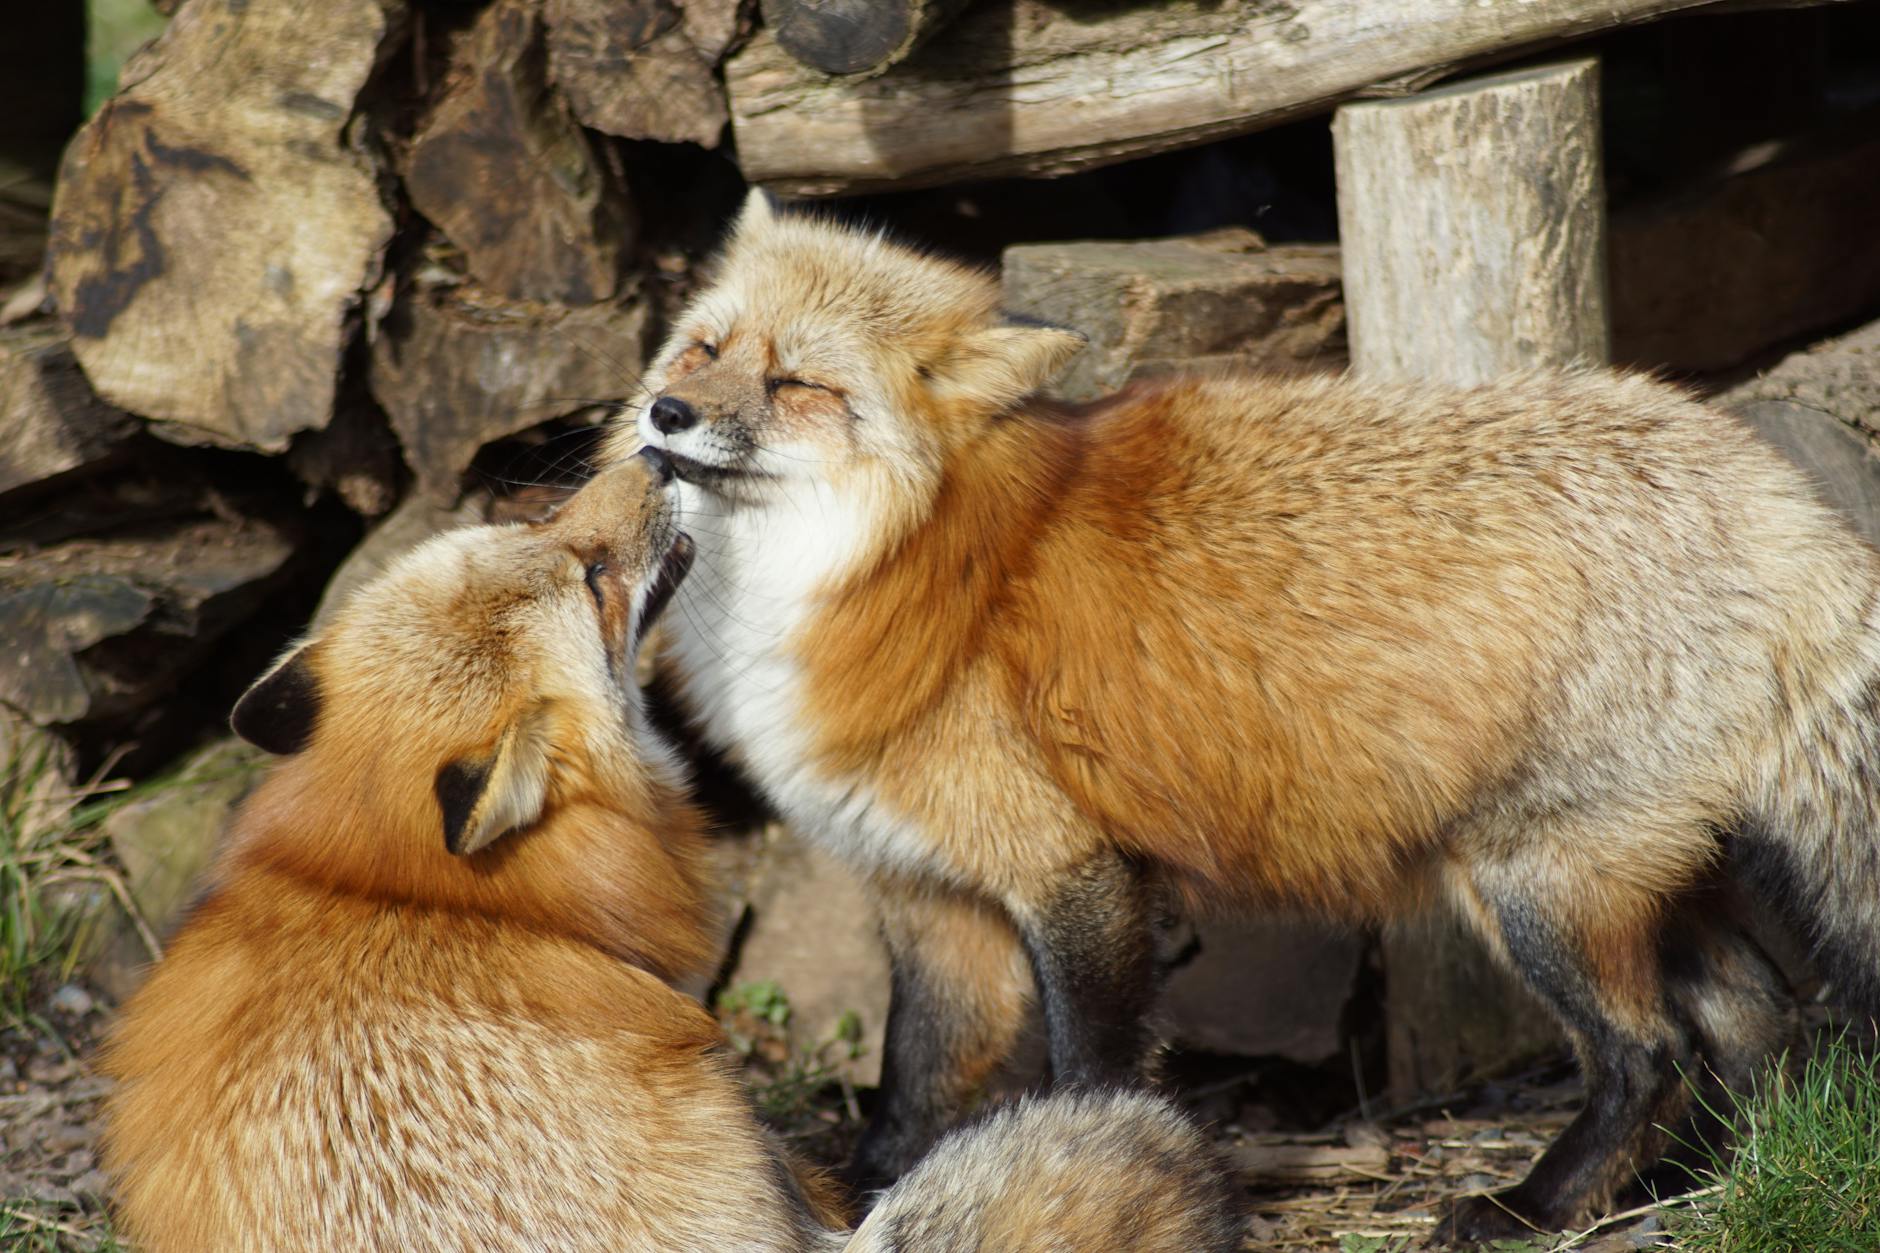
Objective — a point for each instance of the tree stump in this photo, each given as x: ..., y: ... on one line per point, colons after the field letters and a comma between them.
x: 1473, y: 227
x: 1472, y: 222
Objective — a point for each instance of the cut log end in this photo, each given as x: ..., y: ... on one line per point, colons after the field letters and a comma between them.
x: 854, y: 37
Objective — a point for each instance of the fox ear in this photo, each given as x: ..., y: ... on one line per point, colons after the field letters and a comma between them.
x: 483, y: 798
x: 1000, y: 366
x: 758, y: 212
x: 278, y: 712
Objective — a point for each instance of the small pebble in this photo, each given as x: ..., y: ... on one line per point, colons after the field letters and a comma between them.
x: 72, y: 999
x: 74, y: 1164
x: 9, y: 1070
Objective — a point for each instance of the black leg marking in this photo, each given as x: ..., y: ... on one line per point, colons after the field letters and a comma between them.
x: 1092, y: 948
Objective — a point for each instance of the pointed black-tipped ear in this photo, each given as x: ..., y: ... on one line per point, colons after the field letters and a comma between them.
x: 279, y: 711
x: 483, y: 798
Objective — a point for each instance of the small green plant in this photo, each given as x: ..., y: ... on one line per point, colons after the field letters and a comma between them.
x: 790, y: 1083
x: 1805, y: 1170
x: 29, y: 1228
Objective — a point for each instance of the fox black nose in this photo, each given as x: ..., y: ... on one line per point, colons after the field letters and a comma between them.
x: 672, y: 414
x: 661, y: 464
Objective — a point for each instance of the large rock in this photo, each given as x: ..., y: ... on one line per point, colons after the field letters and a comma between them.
x: 504, y: 170
x: 52, y: 425
x: 1194, y: 303
x: 164, y: 841
x: 812, y: 931
x: 1265, y: 989
x: 457, y: 367
x: 98, y: 626
x: 215, y: 224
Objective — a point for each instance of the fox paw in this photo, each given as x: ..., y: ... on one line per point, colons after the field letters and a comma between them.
x: 1477, y: 1220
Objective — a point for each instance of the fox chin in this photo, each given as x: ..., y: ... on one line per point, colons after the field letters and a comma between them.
x: 1568, y: 652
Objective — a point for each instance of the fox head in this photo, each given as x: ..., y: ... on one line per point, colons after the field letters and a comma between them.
x: 826, y: 353
x: 486, y: 677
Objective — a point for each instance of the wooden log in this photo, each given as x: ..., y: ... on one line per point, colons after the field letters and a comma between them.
x: 1777, y: 248
x: 631, y: 69
x: 502, y: 167
x: 1037, y: 87
x: 215, y: 226
x: 855, y: 36
x: 456, y: 369
x: 52, y: 425
x: 1472, y: 221
x: 209, y: 258
x: 1152, y: 306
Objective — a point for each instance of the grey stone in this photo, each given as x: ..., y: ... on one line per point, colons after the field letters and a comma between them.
x: 1190, y: 303
x: 71, y: 999
x: 165, y: 842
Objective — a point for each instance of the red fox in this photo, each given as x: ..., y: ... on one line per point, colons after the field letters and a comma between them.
x: 1567, y: 651
x: 426, y: 1001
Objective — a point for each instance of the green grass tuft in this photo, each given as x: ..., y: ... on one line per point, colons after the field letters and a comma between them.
x: 1805, y: 1172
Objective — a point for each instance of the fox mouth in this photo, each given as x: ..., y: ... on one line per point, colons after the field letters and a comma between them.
x: 673, y: 568
x: 705, y: 474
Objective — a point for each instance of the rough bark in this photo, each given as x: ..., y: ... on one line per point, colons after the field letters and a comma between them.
x: 633, y: 70
x: 503, y: 169
x: 1036, y: 87
x: 52, y: 425
x: 202, y: 287
x: 1182, y: 304
x: 1472, y: 223
x: 855, y: 36
x: 456, y: 368
x: 1722, y: 272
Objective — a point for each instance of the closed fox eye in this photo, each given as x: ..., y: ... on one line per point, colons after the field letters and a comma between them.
x: 773, y: 386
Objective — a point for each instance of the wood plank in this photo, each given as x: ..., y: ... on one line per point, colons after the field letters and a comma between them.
x: 1030, y: 87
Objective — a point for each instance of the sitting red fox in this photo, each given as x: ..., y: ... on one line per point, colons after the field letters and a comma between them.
x: 425, y: 1002
x: 1563, y: 651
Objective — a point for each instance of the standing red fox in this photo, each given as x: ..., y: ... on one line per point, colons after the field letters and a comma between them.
x: 425, y: 1002
x: 1567, y: 652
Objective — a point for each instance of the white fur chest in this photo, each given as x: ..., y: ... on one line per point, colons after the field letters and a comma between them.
x: 734, y: 628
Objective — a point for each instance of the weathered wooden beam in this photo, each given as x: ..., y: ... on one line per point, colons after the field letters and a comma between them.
x: 1034, y: 87
x: 1473, y: 224
x: 1472, y: 221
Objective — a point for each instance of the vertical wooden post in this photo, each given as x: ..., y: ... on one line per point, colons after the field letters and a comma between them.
x: 1473, y: 235
x: 1473, y: 221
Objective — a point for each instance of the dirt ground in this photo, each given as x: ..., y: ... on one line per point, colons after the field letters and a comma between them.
x: 1358, y: 1184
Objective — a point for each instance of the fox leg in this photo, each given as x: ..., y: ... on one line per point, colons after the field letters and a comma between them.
x: 1740, y: 1008
x: 960, y: 988
x: 1092, y: 943
x: 1590, y: 949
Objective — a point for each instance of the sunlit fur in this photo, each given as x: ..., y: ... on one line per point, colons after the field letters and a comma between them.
x: 359, y: 1040
x: 1555, y: 650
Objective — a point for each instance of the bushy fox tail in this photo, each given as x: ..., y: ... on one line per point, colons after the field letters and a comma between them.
x: 1813, y: 849
x: 1074, y: 1170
